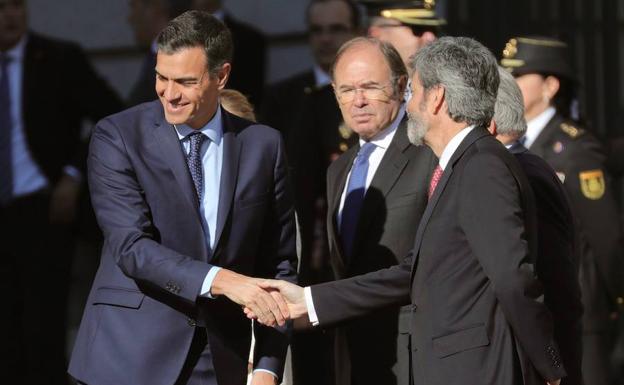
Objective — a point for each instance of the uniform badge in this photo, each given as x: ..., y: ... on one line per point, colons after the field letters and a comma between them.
x: 558, y: 147
x: 592, y: 184
x: 561, y: 176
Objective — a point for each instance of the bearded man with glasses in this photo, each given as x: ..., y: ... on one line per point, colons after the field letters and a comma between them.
x: 377, y: 192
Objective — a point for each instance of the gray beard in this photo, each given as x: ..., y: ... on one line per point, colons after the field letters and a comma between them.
x: 416, y: 130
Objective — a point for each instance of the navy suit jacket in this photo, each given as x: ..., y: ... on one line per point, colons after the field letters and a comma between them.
x: 144, y: 305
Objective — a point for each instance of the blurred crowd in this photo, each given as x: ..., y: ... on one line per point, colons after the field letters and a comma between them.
x: 49, y: 87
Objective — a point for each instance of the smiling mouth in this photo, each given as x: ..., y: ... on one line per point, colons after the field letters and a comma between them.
x: 175, y: 107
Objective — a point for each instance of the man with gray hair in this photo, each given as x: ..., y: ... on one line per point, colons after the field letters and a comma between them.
x: 477, y: 314
x: 557, y: 248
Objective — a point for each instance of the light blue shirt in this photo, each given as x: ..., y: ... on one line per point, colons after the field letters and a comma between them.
x: 27, y: 176
x: 212, y: 162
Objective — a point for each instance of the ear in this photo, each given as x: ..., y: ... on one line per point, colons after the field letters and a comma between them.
x: 437, y: 99
x: 551, y: 86
x: 428, y: 37
x: 402, y: 84
x: 374, y: 31
x: 492, y: 127
x: 223, y: 75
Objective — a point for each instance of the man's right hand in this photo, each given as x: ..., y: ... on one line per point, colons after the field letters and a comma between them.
x: 270, y: 308
x: 291, y: 293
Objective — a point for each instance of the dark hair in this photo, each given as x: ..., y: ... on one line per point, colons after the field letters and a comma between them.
x: 353, y: 10
x: 198, y: 29
x: 392, y: 56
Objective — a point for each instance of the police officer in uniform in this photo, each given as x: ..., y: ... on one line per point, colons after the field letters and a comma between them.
x: 407, y: 25
x: 547, y: 81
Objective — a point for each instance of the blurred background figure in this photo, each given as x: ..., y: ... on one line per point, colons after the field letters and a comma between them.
x: 303, y: 107
x: 407, y: 25
x: 548, y: 84
x: 249, y: 62
x: 236, y: 103
x: 47, y: 88
x: 147, y: 18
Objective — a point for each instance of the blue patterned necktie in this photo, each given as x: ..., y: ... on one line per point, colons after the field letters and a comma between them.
x: 6, y: 166
x: 194, y: 161
x: 354, y: 198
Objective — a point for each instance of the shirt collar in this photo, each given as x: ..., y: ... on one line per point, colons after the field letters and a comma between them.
x: 17, y: 52
x: 383, y: 138
x: 450, y: 148
x: 321, y: 78
x: 213, y: 129
x: 537, y: 124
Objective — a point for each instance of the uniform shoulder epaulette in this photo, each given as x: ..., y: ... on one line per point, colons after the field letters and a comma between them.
x: 571, y: 130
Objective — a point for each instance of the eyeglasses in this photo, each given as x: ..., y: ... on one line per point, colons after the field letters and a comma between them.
x: 372, y: 92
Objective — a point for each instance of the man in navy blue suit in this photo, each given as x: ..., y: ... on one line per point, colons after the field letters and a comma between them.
x: 188, y: 196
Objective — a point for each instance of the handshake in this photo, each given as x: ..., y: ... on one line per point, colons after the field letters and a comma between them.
x: 270, y: 302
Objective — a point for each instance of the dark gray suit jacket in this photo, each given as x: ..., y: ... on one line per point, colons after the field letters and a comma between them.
x: 477, y: 317
x: 557, y: 262
x: 389, y: 217
x: 141, y: 313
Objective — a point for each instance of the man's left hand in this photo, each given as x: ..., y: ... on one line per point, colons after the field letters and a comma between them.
x: 64, y: 200
x: 263, y: 378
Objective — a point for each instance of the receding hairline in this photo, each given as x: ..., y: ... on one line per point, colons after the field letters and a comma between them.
x: 361, y: 43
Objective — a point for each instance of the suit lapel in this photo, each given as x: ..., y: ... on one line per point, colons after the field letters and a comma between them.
x: 229, y: 173
x: 172, y: 154
x: 392, y: 165
x: 473, y: 136
x: 336, y: 187
x: 33, y: 59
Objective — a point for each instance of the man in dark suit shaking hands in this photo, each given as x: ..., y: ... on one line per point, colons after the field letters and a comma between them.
x: 186, y: 193
x: 477, y: 315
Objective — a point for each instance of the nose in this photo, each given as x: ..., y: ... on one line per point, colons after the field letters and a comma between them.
x: 359, y: 99
x: 171, y: 91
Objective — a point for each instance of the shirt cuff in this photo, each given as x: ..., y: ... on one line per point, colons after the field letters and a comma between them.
x: 307, y: 293
x: 73, y: 172
x: 267, y: 371
x: 207, y: 285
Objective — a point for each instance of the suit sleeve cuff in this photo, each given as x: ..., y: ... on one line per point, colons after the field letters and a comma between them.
x: 307, y: 292
x: 207, y: 285
x: 267, y: 371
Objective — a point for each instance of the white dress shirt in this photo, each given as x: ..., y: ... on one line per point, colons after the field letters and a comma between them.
x: 536, y: 125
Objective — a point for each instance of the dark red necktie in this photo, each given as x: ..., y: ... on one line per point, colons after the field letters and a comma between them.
x: 435, y: 178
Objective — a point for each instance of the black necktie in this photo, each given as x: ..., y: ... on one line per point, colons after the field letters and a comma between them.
x: 6, y: 166
x: 194, y: 161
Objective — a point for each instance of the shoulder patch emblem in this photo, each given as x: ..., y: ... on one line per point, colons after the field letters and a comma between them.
x: 572, y: 131
x: 592, y: 184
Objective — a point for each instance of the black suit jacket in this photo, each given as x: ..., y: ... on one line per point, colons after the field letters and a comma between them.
x: 60, y: 90
x: 557, y: 262
x: 249, y: 60
x: 579, y: 159
x: 144, y: 305
x: 476, y: 313
x: 389, y: 217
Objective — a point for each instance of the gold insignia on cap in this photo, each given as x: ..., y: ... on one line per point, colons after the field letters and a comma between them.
x: 343, y: 147
x: 569, y: 129
x: 429, y: 4
x: 419, y: 16
x: 542, y: 42
x: 592, y: 184
x: 511, y: 49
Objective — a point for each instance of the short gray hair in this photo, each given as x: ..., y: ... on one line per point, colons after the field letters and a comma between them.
x: 509, y: 109
x: 468, y: 72
x: 392, y: 56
